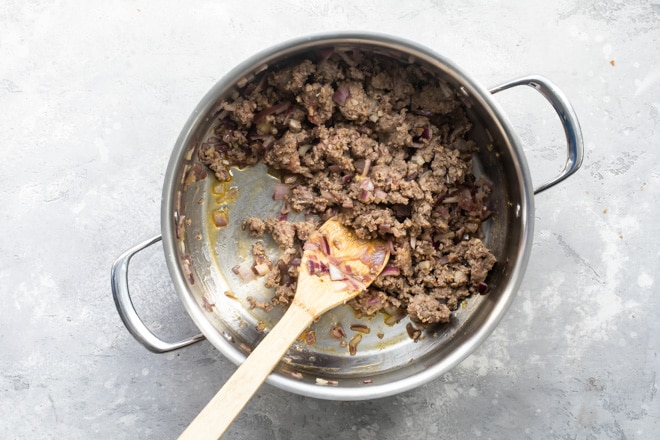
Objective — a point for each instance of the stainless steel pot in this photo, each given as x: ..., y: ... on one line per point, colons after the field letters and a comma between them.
x: 388, y: 361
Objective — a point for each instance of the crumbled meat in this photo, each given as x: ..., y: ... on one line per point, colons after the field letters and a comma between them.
x: 357, y: 106
x: 317, y: 100
x: 255, y: 304
x: 427, y: 309
x: 385, y: 144
x: 259, y: 253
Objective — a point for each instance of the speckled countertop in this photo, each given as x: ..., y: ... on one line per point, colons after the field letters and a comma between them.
x: 91, y: 102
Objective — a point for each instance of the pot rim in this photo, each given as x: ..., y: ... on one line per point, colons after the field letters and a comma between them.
x: 477, y: 92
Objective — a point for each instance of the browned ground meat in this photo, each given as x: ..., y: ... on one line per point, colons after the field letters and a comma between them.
x: 386, y: 145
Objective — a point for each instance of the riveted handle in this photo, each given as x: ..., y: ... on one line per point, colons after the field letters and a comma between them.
x: 122, y: 297
x: 575, y: 144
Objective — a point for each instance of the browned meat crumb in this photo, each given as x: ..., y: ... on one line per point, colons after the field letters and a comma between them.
x: 262, y: 264
x: 385, y: 144
x: 254, y: 304
x: 427, y: 309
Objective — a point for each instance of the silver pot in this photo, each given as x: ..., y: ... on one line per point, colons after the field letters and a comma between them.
x: 388, y: 361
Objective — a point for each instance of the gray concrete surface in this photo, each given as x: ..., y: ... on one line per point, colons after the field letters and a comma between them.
x: 91, y: 102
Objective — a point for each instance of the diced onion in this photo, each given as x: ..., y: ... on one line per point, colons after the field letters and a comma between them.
x: 366, y: 184
x: 335, y: 273
x: 378, y: 256
x: 220, y: 219
x: 280, y: 191
x: 390, y: 271
x: 341, y: 95
x: 261, y: 269
x: 324, y: 245
x: 244, y: 270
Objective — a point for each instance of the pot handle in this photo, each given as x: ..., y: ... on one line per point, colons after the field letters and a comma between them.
x: 122, y: 297
x: 568, y: 120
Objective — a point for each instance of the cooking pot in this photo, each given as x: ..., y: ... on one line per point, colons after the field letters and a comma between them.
x: 200, y: 257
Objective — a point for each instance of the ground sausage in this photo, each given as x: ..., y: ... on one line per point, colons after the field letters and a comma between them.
x: 385, y: 144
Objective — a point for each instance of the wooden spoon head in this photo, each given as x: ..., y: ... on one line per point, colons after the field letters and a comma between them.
x: 336, y: 266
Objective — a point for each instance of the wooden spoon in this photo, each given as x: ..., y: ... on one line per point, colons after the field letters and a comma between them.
x: 336, y: 266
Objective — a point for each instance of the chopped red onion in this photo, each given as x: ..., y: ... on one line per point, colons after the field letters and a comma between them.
x: 360, y: 328
x: 324, y: 245
x: 395, y: 317
x: 341, y: 95
x: 310, y: 337
x: 413, y: 332
x: 366, y: 184
x: 336, y: 332
x: 273, y: 109
x: 311, y: 267
x: 335, y: 273
x: 261, y: 269
x: 390, y: 271
x: 390, y: 246
x: 181, y: 227
x: 367, y: 167
x: 244, y: 270
x: 280, y: 191
x: 412, y: 176
x: 372, y: 301
x: 178, y: 203
x: 378, y: 256
x: 353, y: 343
x: 365, y: 257
x: 309, y: 246
x: 220, y: 219
x: 359, y: 165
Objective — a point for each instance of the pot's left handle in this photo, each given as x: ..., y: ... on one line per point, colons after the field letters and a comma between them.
x: 122, y: 297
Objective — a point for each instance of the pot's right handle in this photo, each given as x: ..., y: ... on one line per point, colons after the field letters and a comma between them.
x: 122, y: 297
x: 568, y: 119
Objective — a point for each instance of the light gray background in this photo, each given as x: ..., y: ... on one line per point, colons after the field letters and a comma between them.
x: 91, y: 101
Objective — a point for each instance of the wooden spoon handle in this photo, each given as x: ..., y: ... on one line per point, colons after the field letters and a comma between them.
x: 218, y: 414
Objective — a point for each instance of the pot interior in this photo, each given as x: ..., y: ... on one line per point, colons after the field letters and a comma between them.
x: 201, y: 256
